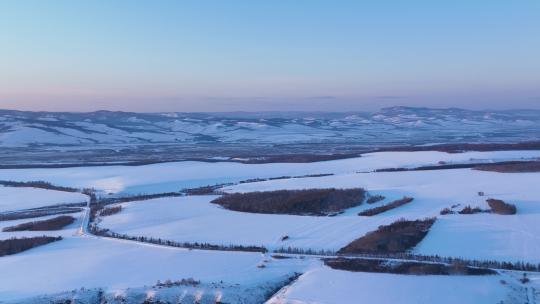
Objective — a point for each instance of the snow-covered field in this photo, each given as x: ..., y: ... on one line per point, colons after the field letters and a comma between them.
x: 92, y: 262
x: 12, y: 198
x: 194, y: 219
x: 84, y: 260
x: 69, y: 230
x: 505, y: 238
x: 481, y: 236
x: 174, y: 176
x: 487, y: 236
x: 325, y: 285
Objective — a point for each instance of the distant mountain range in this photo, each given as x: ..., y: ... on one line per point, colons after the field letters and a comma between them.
x: 395, y: 125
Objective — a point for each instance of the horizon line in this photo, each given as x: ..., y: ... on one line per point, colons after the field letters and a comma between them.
x: 279, y: 111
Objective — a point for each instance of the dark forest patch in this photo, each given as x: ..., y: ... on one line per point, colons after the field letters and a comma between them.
x: 13, y: 246
x: 375, y: 199
x: 411, y: 268
x: 399, y: 236
x: 464, y: 147
x: 511, y: 167
x: 298, y: 202
x: 503, y: 167
x: 298, y: 158
x: 55, y: 223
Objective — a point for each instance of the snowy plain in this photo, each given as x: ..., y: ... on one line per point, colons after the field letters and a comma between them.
x: 499, y: 237
x: 69, y: 230
x: 92, y: 262
x: 195, y: 219
x: 12, y: 198
x: 480, y: 236
x: 325, y: 285
x: 115, y: 265
x: 174, y: 176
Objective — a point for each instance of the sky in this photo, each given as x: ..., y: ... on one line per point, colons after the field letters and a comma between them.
x: 268, y: 55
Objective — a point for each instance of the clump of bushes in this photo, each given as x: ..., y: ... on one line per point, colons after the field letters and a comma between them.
x: 399, y: 236
x: 280, y: 257
x: 13, y: 246
x: 500, y: 207
x: 496, y: 206
x: 524, y: 279
x: 446, y: 211
x: 110, y: 210
x: 297, y: 202
x: 386, y: 207
x: 375, y: 198
x: 183, y: 282
x: 55, y: 223
x: 414, y: 268
x: 449, y: 210
x: 470, y: 210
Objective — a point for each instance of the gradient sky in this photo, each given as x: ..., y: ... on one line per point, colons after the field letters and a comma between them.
x: 268, y: 55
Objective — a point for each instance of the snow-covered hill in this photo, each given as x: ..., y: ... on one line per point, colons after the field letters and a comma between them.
x: 388, y: 126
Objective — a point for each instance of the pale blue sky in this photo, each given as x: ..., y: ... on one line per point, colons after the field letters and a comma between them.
x: 268, y: 55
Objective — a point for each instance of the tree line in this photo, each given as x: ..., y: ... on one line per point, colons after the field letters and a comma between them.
x: 386, y: 207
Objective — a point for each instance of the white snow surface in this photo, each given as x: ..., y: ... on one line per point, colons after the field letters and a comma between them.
x: 166, y: 177
x: 481, y: 236
x: 487, y: 236
x: 67, y: 231
x: 194, y: 219
x: 93, y: 262
x: 328, y: 286
x: 15, y: 198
